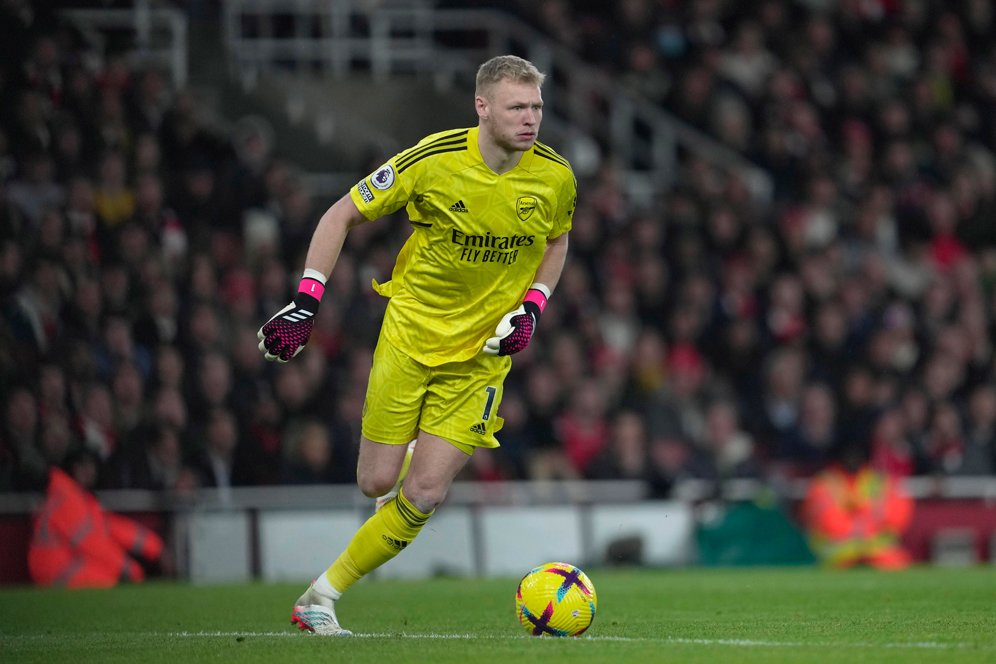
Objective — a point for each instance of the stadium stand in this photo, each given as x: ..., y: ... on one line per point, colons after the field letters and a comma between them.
x: 698, y: 334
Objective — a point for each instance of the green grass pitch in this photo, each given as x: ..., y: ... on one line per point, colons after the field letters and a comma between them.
x: 687, y: 615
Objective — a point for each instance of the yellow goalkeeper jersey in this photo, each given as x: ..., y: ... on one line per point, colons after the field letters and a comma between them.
x: 478, y: 239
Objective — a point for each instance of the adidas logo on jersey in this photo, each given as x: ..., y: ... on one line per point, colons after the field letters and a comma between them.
x: 479, y: 428
x: 459, y: 207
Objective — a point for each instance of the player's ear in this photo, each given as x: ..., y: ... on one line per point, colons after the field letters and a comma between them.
x: 481, y: 105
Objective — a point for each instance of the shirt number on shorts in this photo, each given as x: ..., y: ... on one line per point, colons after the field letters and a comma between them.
x: 489, y: 404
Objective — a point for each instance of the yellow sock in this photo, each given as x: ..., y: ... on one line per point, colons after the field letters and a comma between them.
x: 383, y: 536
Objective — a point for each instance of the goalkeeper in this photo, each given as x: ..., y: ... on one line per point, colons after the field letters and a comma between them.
x: 491, y: 208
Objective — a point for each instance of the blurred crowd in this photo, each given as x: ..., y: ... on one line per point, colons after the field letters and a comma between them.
x: 707, y: 336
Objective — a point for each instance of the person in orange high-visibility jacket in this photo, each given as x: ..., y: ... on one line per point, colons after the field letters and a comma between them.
x: 855, y: 514
x: 77, y: 544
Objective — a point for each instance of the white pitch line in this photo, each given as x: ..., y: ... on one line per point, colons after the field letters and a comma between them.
x: 743, y: 643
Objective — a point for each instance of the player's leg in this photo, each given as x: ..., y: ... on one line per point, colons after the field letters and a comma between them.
x: 378, y: 466
x: 315, y: 609
x: 435, y: 464
x: 383, y: 499
x: 391, y: 411
x: 458, y: 412
x: 390, y: 530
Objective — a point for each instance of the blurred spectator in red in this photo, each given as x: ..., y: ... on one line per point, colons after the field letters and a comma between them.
x: 891, y: 451
x: 785, y: 317
x: 945, y: 247
x: 855, y: 515
x: 76, y: 543
x: 583, y: 429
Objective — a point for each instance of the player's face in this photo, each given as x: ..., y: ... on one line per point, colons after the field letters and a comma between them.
x: 512, y: 113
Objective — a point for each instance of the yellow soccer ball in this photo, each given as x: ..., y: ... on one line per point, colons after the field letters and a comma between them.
x: 556, y: 599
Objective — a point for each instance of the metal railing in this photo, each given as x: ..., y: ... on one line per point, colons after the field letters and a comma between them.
x: 160, y: 34
x: 445, y: 46
x: 505, y: 493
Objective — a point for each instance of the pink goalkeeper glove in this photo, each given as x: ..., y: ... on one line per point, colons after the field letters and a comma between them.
x: 285, y: 335
x: 516, y: 327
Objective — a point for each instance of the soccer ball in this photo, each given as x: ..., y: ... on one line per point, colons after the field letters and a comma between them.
x: 555, y: 599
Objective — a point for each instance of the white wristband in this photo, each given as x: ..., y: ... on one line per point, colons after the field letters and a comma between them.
x: 311, y: 273
x: 543, y: 288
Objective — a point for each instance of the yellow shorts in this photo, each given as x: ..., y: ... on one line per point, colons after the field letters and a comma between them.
x: 457, y: 401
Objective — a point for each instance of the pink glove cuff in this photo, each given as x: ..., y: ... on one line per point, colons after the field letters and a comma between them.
x: 312, y: 287
x: 537, y: 297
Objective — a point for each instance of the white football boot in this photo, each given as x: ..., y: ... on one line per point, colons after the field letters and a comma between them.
x: 316, y: 613
x: 390, y: 495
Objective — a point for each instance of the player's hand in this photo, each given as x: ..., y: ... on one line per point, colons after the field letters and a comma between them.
x: 514, y: 330
x: 285, y: 335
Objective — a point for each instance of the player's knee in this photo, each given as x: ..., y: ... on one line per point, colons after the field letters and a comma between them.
x: 424, y: 497
x: 375, y: 483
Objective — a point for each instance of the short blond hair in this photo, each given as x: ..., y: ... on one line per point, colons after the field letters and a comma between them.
x: 504, y: 67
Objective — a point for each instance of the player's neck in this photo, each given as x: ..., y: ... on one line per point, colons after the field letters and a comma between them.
x: 498, y: 159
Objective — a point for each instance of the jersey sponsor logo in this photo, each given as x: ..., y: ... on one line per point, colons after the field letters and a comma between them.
x: 459, y: 207
x: 524, y: 207
x: 365, y: 192
x: 488, y: 248
x: 489, y: 241
x: 479, y: 428
x: 383, y: 179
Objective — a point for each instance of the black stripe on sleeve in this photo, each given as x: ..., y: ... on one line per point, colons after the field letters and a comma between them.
x: 449, y: 139
x: 419, y: 158
x: 544, y: 151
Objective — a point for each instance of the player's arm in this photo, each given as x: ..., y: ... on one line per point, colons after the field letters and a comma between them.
x: 285, y: 335
x: 552, y: 265
x: 330, y: 235
x: 516, y: 327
